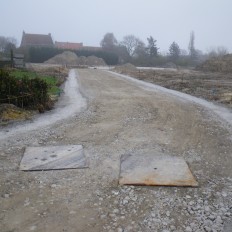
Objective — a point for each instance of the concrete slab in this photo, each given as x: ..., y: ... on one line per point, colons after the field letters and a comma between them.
x: 53, y: 158
x: 227, y: 226
x: 155, y: 169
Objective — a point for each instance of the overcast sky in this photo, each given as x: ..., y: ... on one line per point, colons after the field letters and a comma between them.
x: 88, y: 21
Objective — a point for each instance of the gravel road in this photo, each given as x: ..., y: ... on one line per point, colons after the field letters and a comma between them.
x: 120, y: 117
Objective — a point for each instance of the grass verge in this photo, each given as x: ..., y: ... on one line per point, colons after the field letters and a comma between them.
x: 50, y: 80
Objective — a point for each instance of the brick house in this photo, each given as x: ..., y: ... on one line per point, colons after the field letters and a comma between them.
x: 68, y: 45
x: 75, y: 46
x: 36, y: 40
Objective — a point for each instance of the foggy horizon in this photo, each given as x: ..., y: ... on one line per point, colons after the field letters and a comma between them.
x: 88, y: 21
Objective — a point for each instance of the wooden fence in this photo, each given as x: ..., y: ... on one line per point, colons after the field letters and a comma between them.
x: 17, y: 61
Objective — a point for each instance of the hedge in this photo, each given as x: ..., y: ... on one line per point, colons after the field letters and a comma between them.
x: 24, y: 92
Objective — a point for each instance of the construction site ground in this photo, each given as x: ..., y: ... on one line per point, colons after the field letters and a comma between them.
x: 121, y: 117
x: 212, y: 86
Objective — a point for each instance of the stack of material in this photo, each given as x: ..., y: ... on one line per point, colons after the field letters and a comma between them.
x: 70, y: 58
x: 126, y: 68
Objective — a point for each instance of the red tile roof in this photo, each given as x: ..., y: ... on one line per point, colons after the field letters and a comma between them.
x: 37, y: 40
x: 68, y: 45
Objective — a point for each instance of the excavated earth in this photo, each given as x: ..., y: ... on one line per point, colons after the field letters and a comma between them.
x: 71, y: 59
x: 121, y: 117
x: 213, y: 86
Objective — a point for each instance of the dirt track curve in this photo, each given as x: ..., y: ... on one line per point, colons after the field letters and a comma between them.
x: 121, y: 118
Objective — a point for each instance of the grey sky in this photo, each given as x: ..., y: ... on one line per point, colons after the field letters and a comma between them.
x: 88, y: 21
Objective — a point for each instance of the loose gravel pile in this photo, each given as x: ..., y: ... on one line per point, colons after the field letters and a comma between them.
x: 126, y: 68
x: 172, y: 209
x: 70, y: 58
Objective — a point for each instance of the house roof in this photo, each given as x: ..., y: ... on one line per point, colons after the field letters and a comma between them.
x: 36, y: 40
x: 68, y: 45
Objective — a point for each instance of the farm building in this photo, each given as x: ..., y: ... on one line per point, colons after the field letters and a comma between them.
x: 75, y: 46
x: 68, y: 45
x: 36, y: 40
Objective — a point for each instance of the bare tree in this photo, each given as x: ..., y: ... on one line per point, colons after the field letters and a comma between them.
x: 140, y: 50
x: 12, y: 40
x: 7, y: 43
x: 217, y: 52
x: 183, y: 52
x: 131, y: 43
x: 3, y: 43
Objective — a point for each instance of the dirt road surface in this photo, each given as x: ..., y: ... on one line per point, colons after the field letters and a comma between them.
x: 215, y: 87
x: 121, y: 118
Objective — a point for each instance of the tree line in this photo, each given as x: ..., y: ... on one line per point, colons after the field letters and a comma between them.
x: 130, y: 50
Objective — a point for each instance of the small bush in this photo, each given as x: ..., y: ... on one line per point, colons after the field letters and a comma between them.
x: 24, y: 92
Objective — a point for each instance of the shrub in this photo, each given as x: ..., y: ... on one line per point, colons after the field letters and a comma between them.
x: 24, y: 92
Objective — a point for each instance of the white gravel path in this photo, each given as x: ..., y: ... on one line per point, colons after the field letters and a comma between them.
x: 224, y: 113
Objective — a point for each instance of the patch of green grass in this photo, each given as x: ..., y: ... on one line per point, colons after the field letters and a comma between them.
x: 21, y: 73
x: 50, y: 80
x: 54, y: 90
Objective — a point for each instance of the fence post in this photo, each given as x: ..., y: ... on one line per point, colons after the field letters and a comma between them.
x: 12, y: 58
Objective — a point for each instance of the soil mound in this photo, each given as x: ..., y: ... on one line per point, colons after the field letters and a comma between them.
x: 94, y: 61
x: 9, y: 112
x: 126, y: 68
x: 218, y: 64
x: 70, y: 58
x: 170, y: 65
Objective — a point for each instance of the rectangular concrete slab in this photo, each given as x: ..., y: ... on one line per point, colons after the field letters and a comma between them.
x: 53, y: 158
x: 155, y: 169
